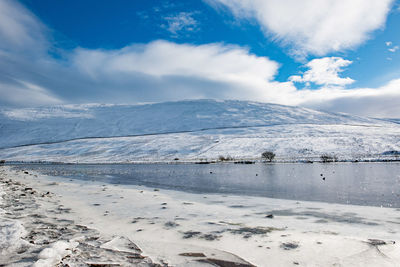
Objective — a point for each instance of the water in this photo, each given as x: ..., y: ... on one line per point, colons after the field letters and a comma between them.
x: 371, y: 184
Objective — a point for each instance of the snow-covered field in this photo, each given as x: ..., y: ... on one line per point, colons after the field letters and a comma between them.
x: 190, y: 131
x: 184, y: 229
x: 288, y: 142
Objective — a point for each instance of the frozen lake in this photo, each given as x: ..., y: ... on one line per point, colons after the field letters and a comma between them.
x: 371, y: 184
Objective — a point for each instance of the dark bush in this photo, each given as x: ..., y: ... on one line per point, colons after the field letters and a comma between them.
x: 222, y: 158
x: 325, y: 158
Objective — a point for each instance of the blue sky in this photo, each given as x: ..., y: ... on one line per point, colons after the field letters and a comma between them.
x: 335, y: 55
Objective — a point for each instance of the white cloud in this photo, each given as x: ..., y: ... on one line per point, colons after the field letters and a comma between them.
x: 20, y: 29
x: 234, y: 72
x: 23, y: 41
x: 163, y: 58
x: 324, y: 71
x: 314, y: 26
x: 181, y: 22
x: 394, y: 49
x: 381, y: 102
x: 391, y: 47
x: 161, y: 71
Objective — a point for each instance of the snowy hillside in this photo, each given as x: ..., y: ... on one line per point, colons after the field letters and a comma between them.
x: 188, y: 130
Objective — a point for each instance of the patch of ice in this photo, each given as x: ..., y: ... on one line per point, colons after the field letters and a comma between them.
x: 55, y: 253
x: 11, y: 233
x: 120, y: 243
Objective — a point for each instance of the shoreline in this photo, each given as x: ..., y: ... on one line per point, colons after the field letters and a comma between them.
x: 36, y: 230
x: 171, y: 226
x: 239, y: 161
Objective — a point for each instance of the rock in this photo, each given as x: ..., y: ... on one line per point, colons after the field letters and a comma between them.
x: 289, y: 245
x: 224, y: 263
x: 190, y: 234
x: 376, y: 242
x: 171, y: 224
x: 210, y: 237
x: 102, y: 264
x: 135, y: 256
x: 249, y: 231
x: 192, y: 254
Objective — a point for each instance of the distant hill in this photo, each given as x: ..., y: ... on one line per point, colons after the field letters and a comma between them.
x: 188, y: 130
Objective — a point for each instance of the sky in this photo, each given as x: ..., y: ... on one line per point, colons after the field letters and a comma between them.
x: 333, y: 55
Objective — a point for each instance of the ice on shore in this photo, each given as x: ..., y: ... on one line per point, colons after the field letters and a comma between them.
x: 36, y: 230
x: 55, y: 253
x: 182, y: 228
x: 11, y: 233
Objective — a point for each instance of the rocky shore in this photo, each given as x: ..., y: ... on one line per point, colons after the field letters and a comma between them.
x: 35, y: 230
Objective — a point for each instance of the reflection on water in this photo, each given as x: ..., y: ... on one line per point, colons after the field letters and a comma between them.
x: 376, y: 184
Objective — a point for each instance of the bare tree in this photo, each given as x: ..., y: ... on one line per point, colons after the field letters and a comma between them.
x: 268, y: 155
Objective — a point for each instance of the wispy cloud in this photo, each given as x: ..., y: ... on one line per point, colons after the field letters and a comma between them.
x: 181, y: 23
x: 393, y: 49
x: 20, y: 29
x: 27, y: 93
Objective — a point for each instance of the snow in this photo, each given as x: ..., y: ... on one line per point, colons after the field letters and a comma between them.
x: 11, y: 233
x: 188, y: 130
x: 55, y: 253
x: 289, y: 142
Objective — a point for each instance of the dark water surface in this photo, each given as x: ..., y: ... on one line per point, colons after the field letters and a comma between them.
x: 372, y: 184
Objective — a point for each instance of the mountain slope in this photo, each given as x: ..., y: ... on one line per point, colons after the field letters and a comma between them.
x: 189, y: 130
x: 60, y: 123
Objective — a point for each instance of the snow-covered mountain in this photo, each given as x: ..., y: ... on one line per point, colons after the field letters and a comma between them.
x: 60, y: 123
x: 187, y: 130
